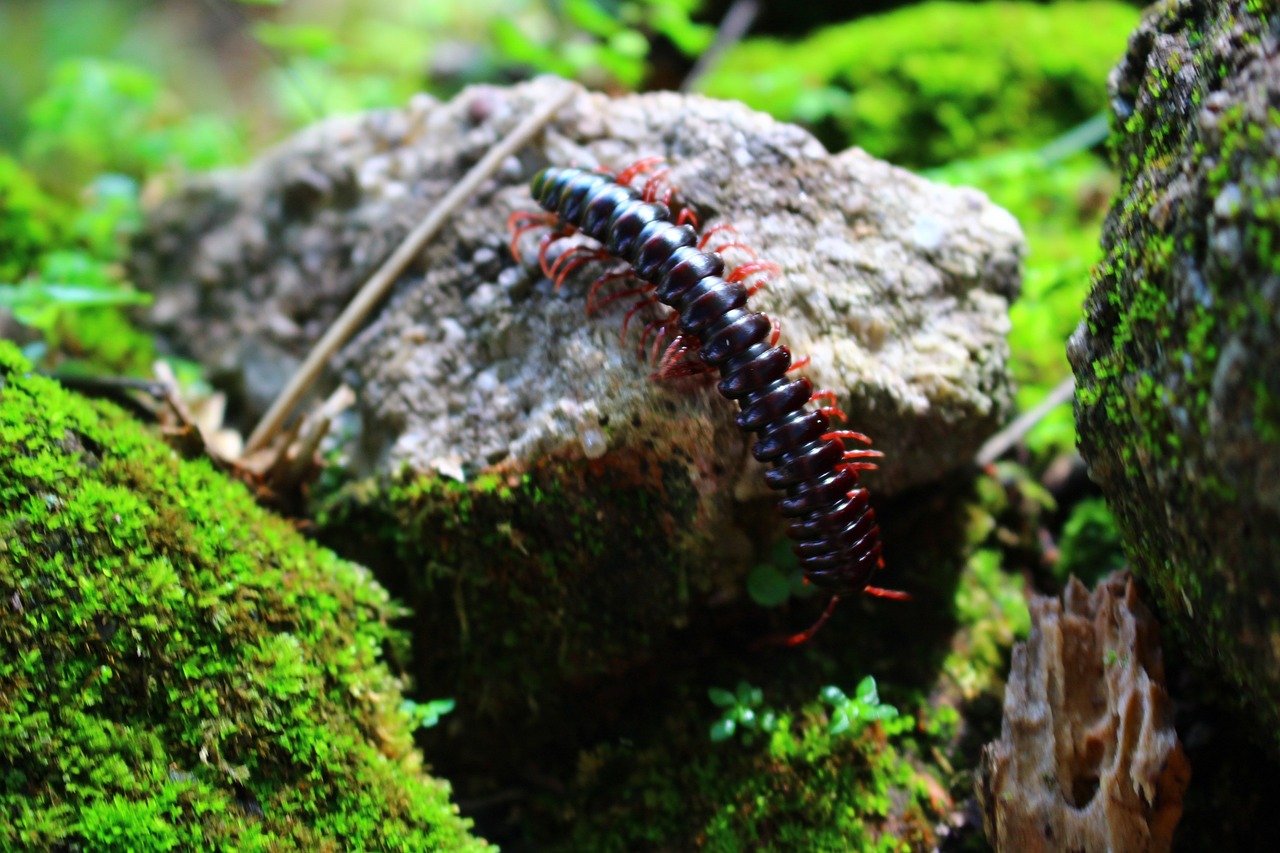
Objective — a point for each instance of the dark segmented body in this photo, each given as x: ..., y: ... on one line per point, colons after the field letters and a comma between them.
x: 832, y: 524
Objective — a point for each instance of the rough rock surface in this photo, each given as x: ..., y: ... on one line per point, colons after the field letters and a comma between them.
x: 1178, y: 361
x: 898, y: 288
x: 1088, y: 759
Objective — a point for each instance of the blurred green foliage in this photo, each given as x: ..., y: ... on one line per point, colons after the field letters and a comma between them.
x: 1091, y: 544
x: 939, y: 81
x: 61, y: 274
x: 100, y: 116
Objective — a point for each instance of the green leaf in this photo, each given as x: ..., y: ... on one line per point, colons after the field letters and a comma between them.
x: 833, y: 694
x: 722, y: 730
x: 722, y: 698
x: 767, y: 586
x: 34, y: 294
x: 866, y: 692
x: 427, y: 714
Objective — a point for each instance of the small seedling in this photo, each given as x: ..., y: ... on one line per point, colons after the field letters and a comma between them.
x: 850, y: 715
x: 740, y: 713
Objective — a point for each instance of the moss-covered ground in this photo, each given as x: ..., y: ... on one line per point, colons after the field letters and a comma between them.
x: 179, y: 670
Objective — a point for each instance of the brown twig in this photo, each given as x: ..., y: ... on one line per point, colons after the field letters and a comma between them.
x: 380, y: 282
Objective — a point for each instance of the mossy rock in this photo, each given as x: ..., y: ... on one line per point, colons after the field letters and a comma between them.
x: 178, y: 668
x: 524, y: 579
x: 1178, y: 361
x: 938, y: 81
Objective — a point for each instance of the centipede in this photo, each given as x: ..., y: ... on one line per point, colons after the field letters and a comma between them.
x: 712, y: 328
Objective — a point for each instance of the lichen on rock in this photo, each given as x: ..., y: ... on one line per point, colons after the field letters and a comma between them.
x: 1177, y: 362
x: 1088, y: 758
x: 178, y: 668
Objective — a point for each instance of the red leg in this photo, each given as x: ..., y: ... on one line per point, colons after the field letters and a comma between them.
x: 799, y: 364
x: 655, y: 182
x: 592, y: 306
x: 627, y: 175
x: 658, y: 328
x: 634, y: 308
x: 563, y: 266
x: 766, y: 269
x: 545, y: 243
x: 630, y: 291
x: 675, y: 365
x: 687, y: 217
x: 887, y: 593
x: 742, y: 247
x: 523, y: 221
x: 848, y: 433
x: 805, y: 636
x: 832, y: 411
x: 711, y: 232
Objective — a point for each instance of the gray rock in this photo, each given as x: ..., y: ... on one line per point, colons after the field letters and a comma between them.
x: 897, y: 288
x: 1178, y: 360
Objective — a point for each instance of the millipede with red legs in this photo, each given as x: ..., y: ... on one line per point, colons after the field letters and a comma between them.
x: 832, y: 524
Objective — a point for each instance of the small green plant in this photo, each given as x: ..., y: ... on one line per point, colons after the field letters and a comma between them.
x: 1091, y: 543
x: 742, y: 711
x: 851, y: 714
x: 778, y: 579
x: 426, y: 715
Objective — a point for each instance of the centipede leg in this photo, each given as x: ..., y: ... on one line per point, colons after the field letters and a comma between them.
x: 627, y: 175
x: 804, y: 636
x: 523, y: 221
x: 634, y: 308
x: 592, y: 306
x: 658, y: 182
x: 764, y: 269
x: 675, y: 364
x: 580, y: 255
x: 833, y: 410
x: 545, y: 243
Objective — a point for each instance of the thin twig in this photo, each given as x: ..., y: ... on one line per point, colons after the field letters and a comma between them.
x: 734, y: 25
x: 380, y: 282
x: 1006, y: 438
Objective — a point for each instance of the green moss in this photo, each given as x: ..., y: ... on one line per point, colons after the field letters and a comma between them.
x: 800, y: 788
x: 529, y: 560
x: 181, y: 670
x: 991, y: 608
x: 937, y: 81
